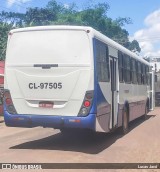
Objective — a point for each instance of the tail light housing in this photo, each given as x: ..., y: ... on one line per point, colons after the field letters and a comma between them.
x: 8, y: 102
x: 86, y: 105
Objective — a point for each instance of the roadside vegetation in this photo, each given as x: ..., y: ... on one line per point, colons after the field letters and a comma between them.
x: 55, y: 13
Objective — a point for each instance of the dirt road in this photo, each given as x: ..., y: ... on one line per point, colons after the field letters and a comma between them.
x: 39, y: 145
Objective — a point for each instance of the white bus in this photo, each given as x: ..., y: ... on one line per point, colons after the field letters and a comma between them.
x: 72, y: 77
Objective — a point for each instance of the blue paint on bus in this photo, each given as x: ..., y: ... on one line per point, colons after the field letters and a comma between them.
x: 27, y: 120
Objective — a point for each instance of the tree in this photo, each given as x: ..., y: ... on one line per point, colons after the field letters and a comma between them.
x: 39, y: 16
x: 4, y: 30
x: 15, y: 19
x: 96, y: 17
x: 134, y: 46
x: 56, y: 13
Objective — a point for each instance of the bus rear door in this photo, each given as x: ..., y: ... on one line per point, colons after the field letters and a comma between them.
x: 114, y: 89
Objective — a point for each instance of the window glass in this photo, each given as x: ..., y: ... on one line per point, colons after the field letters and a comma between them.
x: 128, y: 62
x: 102, y: 61
x: 139, y: 73
x: 127, y: 72
x: 147, y: 75
x: 120, y: 66
x: 144, y: 80
x: 133, y: 71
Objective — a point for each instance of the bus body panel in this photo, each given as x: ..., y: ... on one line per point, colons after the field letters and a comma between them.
x: 49, y: 66
x: 50, y: 121
x: 136, y: 96
x: 29, y: 97
x: 103, y: 107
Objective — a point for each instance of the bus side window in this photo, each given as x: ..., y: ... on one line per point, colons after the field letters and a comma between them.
x: 120, y: 66
x: 139, y: 73
x: 150, y: 80
x: 147, y: 75
x: 107, y: 63
x: 133, y: 71
x: 155, y: 78
x: 102, y: 62
x: 127, y: 66
x: 143, y: 73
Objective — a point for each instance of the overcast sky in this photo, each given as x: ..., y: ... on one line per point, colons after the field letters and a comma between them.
x: 144, y: 14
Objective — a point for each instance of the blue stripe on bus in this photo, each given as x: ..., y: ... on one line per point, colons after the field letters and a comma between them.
x: 29, y: 121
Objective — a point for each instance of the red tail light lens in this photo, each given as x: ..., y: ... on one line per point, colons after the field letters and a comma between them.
x: 87, y: 103
x: 9, y: 103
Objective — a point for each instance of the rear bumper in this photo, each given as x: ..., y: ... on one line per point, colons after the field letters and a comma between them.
x: 29, y: 121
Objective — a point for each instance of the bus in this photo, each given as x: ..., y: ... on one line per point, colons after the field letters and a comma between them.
x: 1, y: 86
x: 72, y: 77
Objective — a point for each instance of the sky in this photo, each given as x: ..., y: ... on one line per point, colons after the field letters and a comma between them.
x: 145, y: 15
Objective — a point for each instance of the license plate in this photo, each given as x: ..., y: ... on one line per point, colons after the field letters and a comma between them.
x: 46, y: 104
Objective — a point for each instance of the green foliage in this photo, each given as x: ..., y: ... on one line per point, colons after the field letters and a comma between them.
x: 12, y: 18
x: 54, y: 6
x: 4, y: 29
x: 39, y: 16
x: 55, y: 13
x: 134, y: 46
x: 122, y: 21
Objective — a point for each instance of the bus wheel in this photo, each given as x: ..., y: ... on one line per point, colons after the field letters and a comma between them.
x: 125, y: 121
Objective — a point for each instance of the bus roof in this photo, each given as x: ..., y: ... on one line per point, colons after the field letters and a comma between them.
x: 54, y: 27
x: 95, y: 34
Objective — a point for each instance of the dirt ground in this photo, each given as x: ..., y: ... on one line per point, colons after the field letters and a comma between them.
x: 39, y: 145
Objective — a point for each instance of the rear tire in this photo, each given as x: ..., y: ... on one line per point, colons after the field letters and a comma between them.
x: 125, y: 121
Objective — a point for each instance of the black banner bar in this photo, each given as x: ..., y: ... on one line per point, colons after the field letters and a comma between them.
x: 79, y: 165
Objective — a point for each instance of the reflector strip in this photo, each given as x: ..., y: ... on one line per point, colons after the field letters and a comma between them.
x: 75, y: 120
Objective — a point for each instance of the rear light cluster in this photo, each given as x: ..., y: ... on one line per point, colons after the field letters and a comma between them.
x: 8, y: 102
x: 87, y: 103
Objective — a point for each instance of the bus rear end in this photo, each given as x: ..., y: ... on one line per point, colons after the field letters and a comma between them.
x: 49, y: 78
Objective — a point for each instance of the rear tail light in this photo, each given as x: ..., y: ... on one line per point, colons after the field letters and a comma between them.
x: 8, y: 102
x: 86, y: 105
